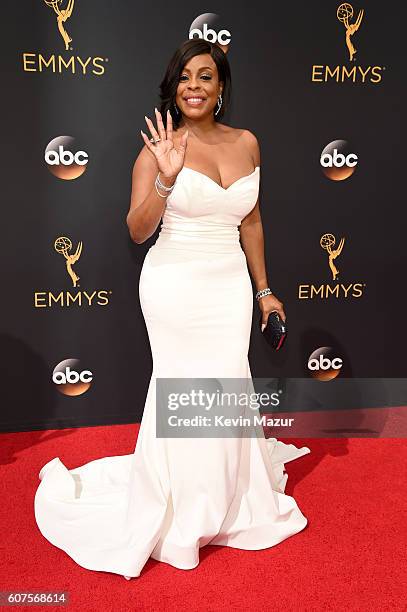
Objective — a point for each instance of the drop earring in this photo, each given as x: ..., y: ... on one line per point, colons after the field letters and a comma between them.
x: 220, y: 101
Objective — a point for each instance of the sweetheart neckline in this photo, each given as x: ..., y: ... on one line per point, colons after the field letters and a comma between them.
x: 216, y: 183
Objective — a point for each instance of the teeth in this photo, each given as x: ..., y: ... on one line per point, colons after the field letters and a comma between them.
x: 194, y: 99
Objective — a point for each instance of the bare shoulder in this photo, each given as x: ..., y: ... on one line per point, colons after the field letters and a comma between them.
x: 246, y: 136
x: 250, y: 139
x: 252, y: 145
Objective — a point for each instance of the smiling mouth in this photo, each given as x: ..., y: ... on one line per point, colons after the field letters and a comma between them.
x: 194, y: 100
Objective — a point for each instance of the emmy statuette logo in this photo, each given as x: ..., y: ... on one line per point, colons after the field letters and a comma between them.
x: 351, y: 21
x: 69, y: 298
x: 344, y: 14
x: 62, y: 16
x: 65, y: 61
x: 63, y: 246
x: 327, y: 242
x: 334, y: 289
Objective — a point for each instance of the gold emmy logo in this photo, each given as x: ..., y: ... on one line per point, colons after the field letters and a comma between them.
x: 327, y: 242
x: 62, y: 16
x: 63, y: 245
x: 344, y: 14
x: 349, y: 73
x: 69, y: 298
x: 60, y: 63
x: 332, y: 290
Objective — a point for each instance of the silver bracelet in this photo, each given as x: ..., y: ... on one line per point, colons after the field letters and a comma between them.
x: 159, y: 183
x: 160, y: 194
x: 263, y: 292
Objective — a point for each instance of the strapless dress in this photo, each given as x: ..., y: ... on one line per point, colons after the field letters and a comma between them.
x: 172, y: 496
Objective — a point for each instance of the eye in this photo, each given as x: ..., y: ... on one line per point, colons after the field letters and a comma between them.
x: 207, y: 77
x: 183, y: 77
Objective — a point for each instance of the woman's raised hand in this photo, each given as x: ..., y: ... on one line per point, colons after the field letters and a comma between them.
x: 169, y: 159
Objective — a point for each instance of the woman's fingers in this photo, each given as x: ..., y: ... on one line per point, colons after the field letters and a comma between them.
x: 183, y: 142
x: 282, y: 314
x: 160, y: 124
x: 169, y: 126
x: 264, y: 320
x: 149, y: 144
x: 152, y: 129
x: 265, y: 316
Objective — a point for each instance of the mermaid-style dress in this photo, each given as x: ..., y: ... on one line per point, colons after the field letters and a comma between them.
x: 175, y: 495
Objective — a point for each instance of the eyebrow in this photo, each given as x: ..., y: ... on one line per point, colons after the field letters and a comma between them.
x: 203, y: 68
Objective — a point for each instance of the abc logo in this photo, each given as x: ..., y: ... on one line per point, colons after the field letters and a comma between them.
x: 70, y: 378
x: 324, y: 364
x: 64, y: 159
x: 207, y: 26
x: 337, y: 161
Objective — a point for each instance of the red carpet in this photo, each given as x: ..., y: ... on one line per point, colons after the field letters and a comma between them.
x: 351, y: 556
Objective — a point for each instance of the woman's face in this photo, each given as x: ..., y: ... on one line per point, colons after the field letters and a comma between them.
x: 198, y: 87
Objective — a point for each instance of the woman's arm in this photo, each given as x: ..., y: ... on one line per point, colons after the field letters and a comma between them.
x: 146, y: 206
x: 252, y: 239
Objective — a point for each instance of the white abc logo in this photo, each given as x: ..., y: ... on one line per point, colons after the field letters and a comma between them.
x: 54, y: 158
x: 223, y: 36
x: 338, y: 160
x: 324, y: 363
x: 71, y: 376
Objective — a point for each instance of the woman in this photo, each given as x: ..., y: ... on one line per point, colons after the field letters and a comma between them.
x: 176, y: 494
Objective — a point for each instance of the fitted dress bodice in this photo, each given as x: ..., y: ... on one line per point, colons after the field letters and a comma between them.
x: 200, y: 213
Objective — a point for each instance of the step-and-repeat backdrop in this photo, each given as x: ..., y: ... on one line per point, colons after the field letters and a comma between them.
x: 319, y: 84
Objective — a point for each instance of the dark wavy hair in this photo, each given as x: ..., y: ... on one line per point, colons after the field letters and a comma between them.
x: 169, y: 84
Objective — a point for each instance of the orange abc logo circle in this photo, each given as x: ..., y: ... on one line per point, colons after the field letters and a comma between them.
x: 209, y: 27
x: 338, y: 161
x: 324, y: 363
x: 70, y: 378
x: 65, y: 159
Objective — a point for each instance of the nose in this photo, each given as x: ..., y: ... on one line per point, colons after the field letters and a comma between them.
x: 193, y: 83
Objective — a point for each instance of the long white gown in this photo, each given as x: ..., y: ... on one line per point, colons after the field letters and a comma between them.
x: 175, y: 495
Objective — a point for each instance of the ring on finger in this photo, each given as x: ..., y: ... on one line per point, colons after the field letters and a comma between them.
x: 155, y: 140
